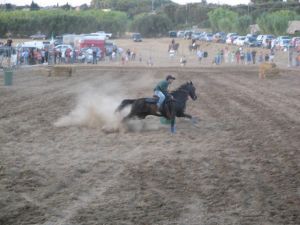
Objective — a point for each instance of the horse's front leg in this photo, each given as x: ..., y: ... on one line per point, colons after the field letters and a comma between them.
x: 182, y: 114
x: 185, y: 115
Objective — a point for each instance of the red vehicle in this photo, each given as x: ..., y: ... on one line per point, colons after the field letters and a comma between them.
x: 87, y: 42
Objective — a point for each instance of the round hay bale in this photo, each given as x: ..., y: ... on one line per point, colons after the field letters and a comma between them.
x: 65, y: 70
x: 268, y: 70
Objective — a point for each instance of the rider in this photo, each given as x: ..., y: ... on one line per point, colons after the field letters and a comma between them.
x: 161, y: 90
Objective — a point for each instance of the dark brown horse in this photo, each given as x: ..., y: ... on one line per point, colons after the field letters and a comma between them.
x: 172, y: 107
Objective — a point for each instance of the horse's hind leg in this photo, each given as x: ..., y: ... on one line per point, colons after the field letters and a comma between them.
x: 128, y: 117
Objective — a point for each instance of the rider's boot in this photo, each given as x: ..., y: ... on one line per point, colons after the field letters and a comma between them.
x: 159, y: 108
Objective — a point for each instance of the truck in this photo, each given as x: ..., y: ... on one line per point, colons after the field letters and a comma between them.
x: 90, y: 41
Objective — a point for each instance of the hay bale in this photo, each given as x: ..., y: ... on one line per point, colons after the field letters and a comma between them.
x: 65, y: 70
x: 268, y: 70
x: 44, y: 70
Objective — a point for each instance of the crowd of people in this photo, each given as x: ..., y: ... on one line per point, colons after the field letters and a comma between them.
x: 50, y: 55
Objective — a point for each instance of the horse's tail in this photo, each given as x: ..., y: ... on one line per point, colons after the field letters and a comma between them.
x: 124, y: 103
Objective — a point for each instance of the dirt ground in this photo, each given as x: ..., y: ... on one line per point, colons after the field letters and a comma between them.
x: 238, y: 165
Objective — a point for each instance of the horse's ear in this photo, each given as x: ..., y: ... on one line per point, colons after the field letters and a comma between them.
x: 191, y: 82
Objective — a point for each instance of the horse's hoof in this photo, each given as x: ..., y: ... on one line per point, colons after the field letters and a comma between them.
x: 195, y: 120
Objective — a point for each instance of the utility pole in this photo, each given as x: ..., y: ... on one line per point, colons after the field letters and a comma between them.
x: 152, y: 6
x: 186, y: 13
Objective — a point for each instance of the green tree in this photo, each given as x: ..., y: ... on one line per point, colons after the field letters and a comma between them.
x: 276, y: 22
x: 222, y: 19
x: 34, y: 6
x: 151, y: 25
x: 242, y: 24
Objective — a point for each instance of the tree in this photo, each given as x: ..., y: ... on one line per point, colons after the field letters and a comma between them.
x: 276, y: 22
x: 242, y: 24
x: 222, y: 19
x: 8, y: 6
x: 151, y: 25
x: 66, y: 6
x: 34, y: 6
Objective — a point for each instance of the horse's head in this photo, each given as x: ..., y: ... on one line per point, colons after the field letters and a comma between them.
x: 191, y: 90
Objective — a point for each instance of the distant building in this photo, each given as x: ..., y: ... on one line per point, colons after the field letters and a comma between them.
x: 294, y: 26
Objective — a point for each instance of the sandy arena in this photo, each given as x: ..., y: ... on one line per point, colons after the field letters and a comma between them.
x: 238, y: 165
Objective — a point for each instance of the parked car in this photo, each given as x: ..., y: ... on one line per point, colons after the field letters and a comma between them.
x: 180, y: 34
x: 295, y: 42
x: 252, y: 35
x: 63, y: 48
x: 137, y: 37
x: 172, y: 34
x: 231, y: 39
x: 239, y: 40
x: 196, y: 35
x: 266, y: 40
x: 208, y: 37
x: 188, y: 34
x: 260, y: 38
x: 284, y: 44
x: 38, y: 36
x: 251, y: 42
x: 219, y: 38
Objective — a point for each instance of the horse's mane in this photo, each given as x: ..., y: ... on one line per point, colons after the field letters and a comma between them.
x: 181, y: 87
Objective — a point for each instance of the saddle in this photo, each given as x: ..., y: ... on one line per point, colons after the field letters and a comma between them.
x: 152, y: 100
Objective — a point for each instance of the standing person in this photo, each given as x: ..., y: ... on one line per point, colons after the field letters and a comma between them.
x: 253, y: 53
x: 46, y: 55
x: 260, y: 57
x: 94, y: 56
x: 54, y: 55
x: 272, y: 55
x: 199, y: 55
x: 43, y: 55
x: 298, y: 60
x: 248, y: 56
x: 183, y: 61
x: 242, y: 56
x: 267, y: 57
x: 238, y: 56
x: 161, y: 90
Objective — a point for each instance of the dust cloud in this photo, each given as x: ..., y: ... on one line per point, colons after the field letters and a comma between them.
x: 96, y: 107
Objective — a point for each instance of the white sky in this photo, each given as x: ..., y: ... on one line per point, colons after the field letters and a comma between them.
x: 80, y: 2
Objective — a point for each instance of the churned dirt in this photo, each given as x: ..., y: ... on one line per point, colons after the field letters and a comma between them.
x: 65, y: 159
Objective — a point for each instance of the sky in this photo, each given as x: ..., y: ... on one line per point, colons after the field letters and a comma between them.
x: 80, y: 2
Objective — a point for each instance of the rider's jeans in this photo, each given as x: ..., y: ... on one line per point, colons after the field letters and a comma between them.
x: 161, y: 97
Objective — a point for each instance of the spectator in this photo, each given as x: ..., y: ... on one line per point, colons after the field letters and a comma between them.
x: 183, y: 61
x: 253, y: 54
x: 199, y: 55
x: 150, y: 61
x: 238, y: 56
x: 46, y: 55
x: 43, y: 55
x: 267, y: 57
x: 231, y: 55
x: 260, y: 57
x: 272, y: 55
x: 248, y: 56
x: 242, y: 56
x: 113, y: 56
x: 94, y: 56
x: 298, y: 60
x: 221, y: 60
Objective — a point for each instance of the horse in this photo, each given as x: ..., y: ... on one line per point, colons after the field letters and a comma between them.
x: 173, y: 106
x: 174, y: 47
x: 194, y: 47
